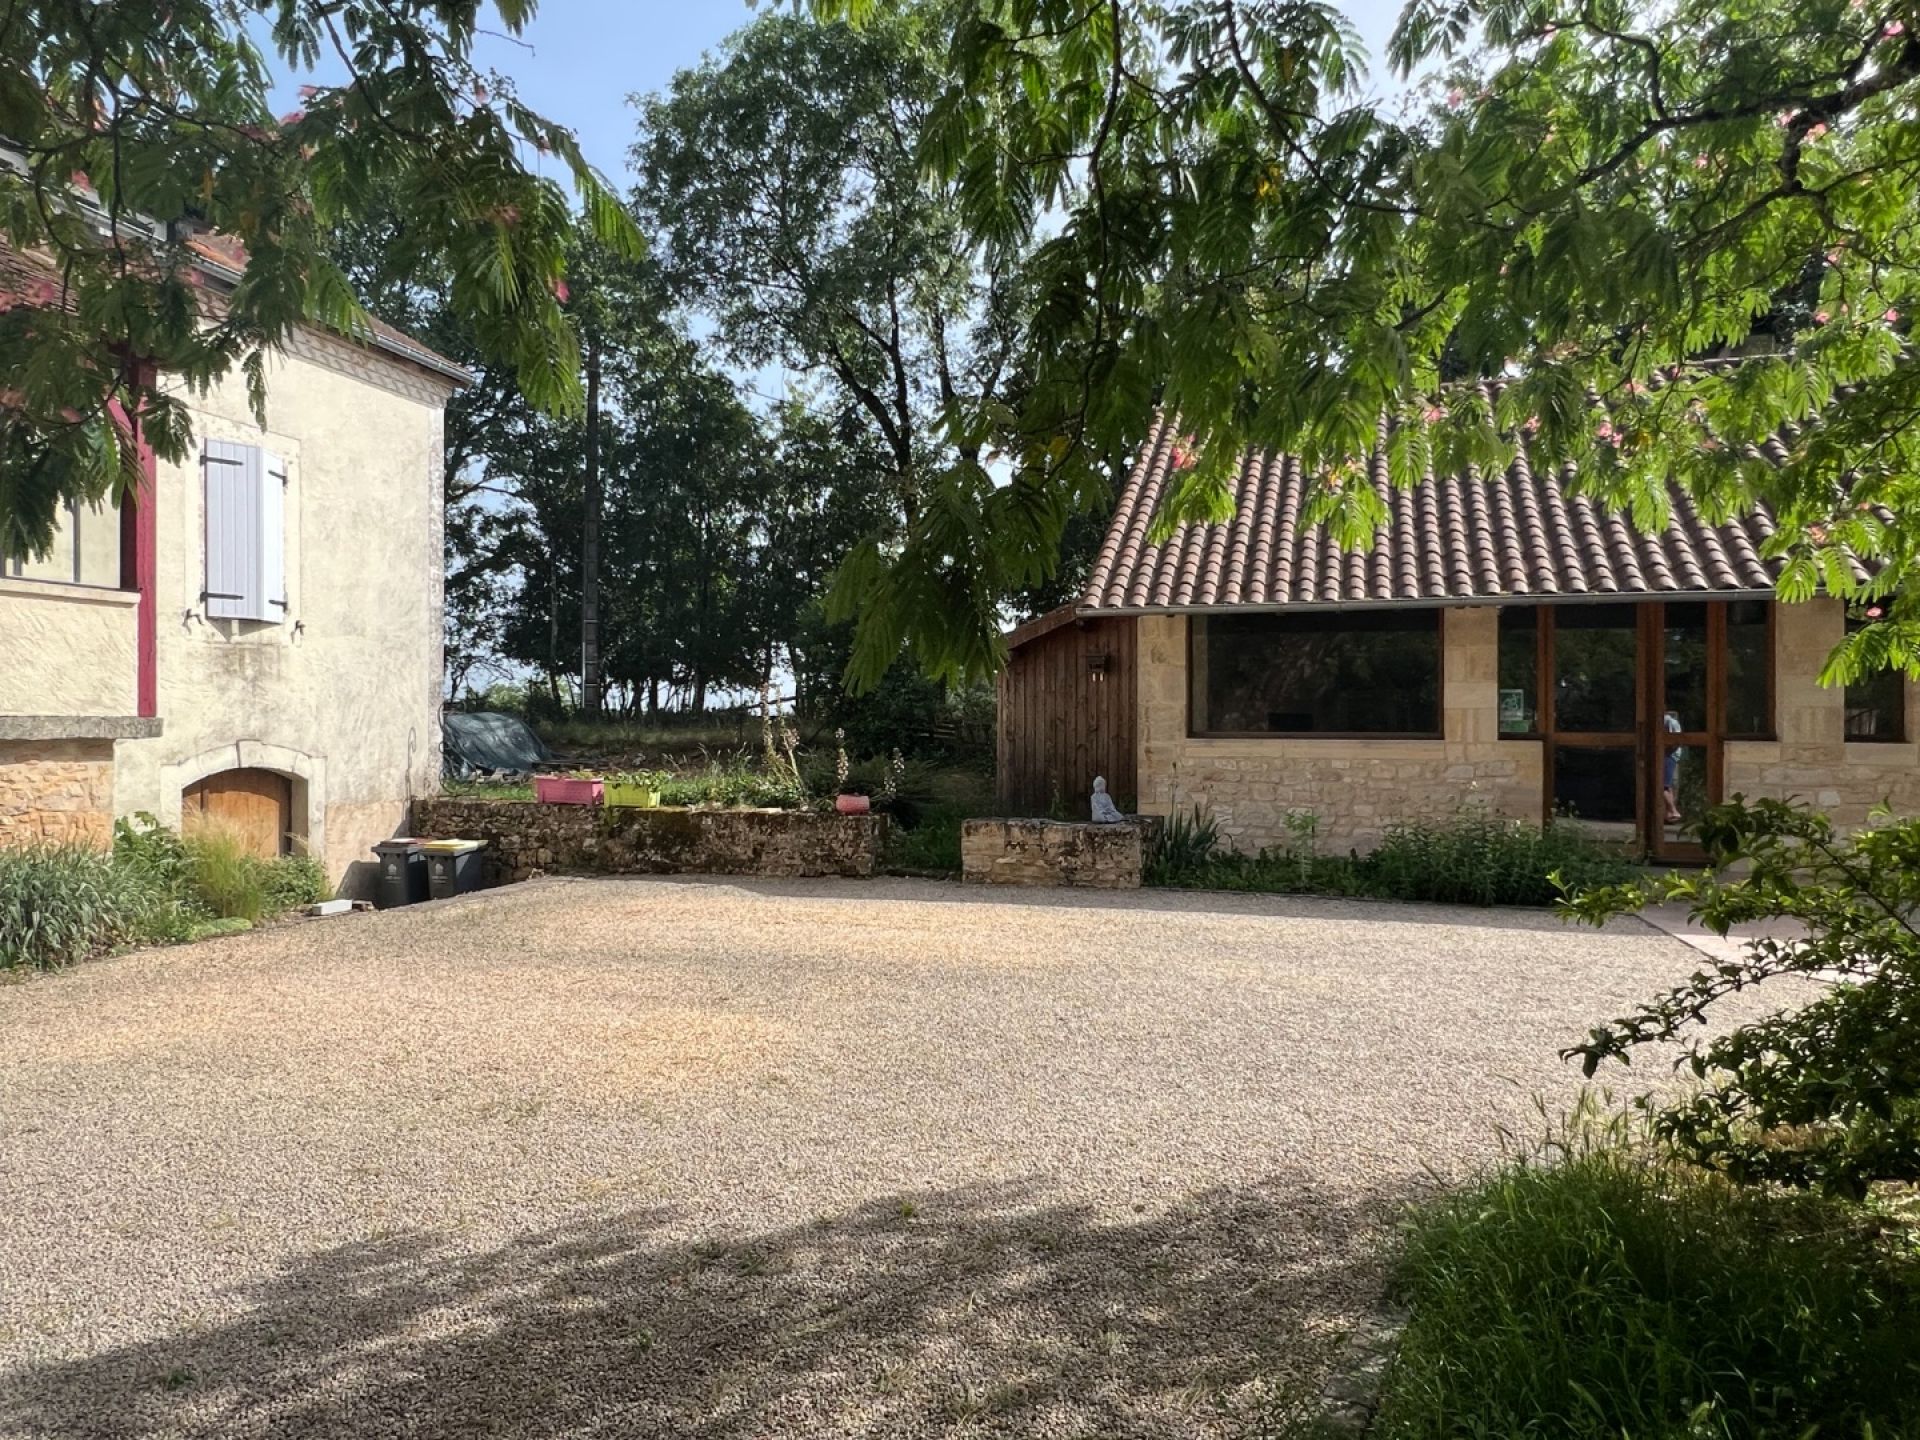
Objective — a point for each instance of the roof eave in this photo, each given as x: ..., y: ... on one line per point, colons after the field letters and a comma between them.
x: 462, y: 378
x: 1424, y: 602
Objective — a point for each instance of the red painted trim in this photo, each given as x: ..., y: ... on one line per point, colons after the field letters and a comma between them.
x: 140, y: 567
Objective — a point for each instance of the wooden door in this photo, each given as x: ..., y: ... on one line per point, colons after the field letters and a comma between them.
x: 255, y: 804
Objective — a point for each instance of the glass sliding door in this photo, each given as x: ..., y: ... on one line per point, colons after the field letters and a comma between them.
x: 1689, y: 666
x: 1592, y: 709
x: 1634, y: 702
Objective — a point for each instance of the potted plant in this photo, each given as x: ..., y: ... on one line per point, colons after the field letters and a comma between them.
x: 636, y: 789
x: 578, y: 787
x: 847, y: 802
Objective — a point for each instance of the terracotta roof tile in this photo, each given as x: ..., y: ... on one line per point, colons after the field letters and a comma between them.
x: 1450, y: 538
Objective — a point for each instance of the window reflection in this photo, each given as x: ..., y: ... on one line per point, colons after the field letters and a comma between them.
x: 1595, y: 667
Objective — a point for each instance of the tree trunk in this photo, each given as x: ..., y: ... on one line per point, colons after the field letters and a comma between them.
x: 590, y: 678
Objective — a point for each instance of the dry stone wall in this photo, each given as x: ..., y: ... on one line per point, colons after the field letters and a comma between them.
x: 525, y: 839
x: 1052, y: 852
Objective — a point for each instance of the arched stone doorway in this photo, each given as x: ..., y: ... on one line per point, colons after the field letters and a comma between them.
x: 256, y: 805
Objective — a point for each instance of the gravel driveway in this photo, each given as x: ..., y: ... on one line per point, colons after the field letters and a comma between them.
x: 728, y: 1159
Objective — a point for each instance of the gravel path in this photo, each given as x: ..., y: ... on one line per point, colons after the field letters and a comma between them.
x: 711, y: 1159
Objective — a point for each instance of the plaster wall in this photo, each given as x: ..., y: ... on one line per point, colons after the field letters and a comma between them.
x: 66, y: 649
x: 344, y: 694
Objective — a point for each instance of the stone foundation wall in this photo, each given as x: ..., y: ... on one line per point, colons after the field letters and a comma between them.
x: 1354, y: 788
x: 56, y: 792
x: 1052, y: 852
x: 525, y: 839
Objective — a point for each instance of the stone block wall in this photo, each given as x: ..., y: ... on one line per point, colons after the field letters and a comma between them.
x: 1354, y: 788
x: 56, y: 792
x: 1811, y: 758
x: 1052, y: 852
x: 525, y: 839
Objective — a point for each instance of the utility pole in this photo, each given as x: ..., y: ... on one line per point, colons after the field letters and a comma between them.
x: 590, y: 679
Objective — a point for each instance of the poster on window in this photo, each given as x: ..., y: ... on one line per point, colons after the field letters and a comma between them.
x: 1514, y: 718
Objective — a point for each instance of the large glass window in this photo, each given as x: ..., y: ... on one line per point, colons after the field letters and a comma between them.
x: 1356, y: 672
x: 1596, y: 660
x: 1877, y: 703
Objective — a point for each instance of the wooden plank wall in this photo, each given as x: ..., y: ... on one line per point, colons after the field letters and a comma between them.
x: 1059, y: 726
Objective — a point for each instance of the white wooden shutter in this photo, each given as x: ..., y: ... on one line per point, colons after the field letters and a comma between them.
x: 246, y: 545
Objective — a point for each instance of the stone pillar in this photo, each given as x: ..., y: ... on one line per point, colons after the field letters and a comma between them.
x: 1162, y: 641
x: 1812, y: 718
x: 1470, y: 675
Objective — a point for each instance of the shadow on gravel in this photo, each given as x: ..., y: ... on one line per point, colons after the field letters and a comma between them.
x: 970, y: 1312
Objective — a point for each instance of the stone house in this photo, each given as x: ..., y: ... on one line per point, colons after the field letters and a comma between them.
x: 256, y: 634
x: 1503, y: 645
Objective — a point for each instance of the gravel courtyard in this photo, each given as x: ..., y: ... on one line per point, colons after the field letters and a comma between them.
x: 730, y: 1159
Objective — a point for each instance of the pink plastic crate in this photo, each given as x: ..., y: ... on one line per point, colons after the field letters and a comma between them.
x: 565, y: 790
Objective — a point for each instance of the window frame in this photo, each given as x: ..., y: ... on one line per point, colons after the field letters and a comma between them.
x: 1195, y: 732
x: 1545, y: 625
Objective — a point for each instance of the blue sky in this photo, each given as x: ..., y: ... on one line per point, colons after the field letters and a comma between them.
x: 580, y: 59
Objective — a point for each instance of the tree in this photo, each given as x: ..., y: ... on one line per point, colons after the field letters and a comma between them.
x: 1681, y: 238
x: 786, y: 182
x: 134, y: 127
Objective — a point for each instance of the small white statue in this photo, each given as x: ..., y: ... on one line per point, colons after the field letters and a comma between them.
x: 1105, y: 812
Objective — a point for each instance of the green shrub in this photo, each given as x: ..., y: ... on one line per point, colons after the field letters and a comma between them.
x: 294, y: 881
x: 1188, y: 848
x: 1477, y: 859
x: 1610, y: 1296
x: 1826, y: 1093
x: 930, y: 845
x: 1472, y: 859
x: 59, y: 904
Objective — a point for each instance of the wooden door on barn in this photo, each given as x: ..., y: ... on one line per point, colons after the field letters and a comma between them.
x: 1068, y: 702
x: 256, y: 805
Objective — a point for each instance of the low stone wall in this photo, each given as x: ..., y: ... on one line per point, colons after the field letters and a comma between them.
x: 1052, y: 852
x: 56, y: 792
x: 525, y: 839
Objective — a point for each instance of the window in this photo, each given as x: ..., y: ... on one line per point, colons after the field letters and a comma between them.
x: 245, y: 491
x: 1519, y: 670
x: 1362, y: 672
x: 1596, y: 668
x: 85, y: 551
x: 1750, y: 669
x: 1877, y: 703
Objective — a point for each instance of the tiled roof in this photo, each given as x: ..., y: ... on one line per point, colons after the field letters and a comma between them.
x: 33, y: 280
x: 1449, y: 538
x: 229, y: 254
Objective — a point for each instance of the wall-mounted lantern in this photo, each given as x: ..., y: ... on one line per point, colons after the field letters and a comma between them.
x: 1098, y: 663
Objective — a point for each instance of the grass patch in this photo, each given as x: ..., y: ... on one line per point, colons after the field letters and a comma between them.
x: 1471, y: 859
x: 1611, y: 1295
x: 62, y: 904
